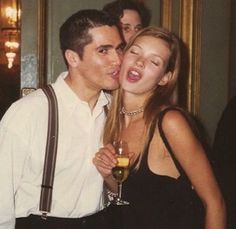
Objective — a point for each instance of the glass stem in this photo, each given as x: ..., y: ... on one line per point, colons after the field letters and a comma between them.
x: 119, y: 190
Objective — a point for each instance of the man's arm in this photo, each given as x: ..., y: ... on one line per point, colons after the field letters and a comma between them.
x: 7, y: 213
x: 12, y: 156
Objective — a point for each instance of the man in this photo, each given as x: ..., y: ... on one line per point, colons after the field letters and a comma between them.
x: 91, y: 46
x: 224, y: 158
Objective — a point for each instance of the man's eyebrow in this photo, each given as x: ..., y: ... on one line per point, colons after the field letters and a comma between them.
x: 121, y: 45
x: 104, y: 46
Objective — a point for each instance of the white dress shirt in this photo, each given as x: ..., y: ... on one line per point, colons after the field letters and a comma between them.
x: 78, y: 186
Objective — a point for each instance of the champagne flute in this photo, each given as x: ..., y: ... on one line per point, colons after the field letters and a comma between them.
x: 121, y: 171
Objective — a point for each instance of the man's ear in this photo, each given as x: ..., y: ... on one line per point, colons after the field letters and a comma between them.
x: 72, y: 58
x: 165, y: 79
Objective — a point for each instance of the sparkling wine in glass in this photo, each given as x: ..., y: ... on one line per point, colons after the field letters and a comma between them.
x: 121, y: 171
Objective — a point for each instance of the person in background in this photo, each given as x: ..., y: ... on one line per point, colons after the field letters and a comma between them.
x: 224, y: 158
x: 92, y: 48
x: 133, y: 16
x: 170, y: 176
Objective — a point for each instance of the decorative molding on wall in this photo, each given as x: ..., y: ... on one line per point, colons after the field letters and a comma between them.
x: 189, y: 32
x: 29, y: 40
x: 29, y: 71
x: 166, y: 14
x: 42, y: 28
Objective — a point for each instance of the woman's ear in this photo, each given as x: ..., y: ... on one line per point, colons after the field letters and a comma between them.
x: 165, y: 79
x: 72, y: 58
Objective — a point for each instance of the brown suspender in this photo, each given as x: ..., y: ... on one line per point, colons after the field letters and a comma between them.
x: 51, y: 152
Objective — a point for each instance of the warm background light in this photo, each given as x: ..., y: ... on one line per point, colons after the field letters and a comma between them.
x: 10, y: 14
x: 12, y: 44
x: 10, y: 57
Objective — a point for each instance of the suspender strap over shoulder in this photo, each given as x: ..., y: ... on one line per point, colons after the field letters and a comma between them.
x: 51, y: 152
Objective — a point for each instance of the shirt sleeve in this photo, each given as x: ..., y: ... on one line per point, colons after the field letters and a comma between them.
x: 12, y: 156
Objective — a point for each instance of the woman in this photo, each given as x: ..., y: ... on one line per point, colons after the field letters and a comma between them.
x: 168, y: 163
x: 133, y: 16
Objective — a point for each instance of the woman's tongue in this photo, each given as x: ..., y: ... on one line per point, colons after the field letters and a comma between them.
x: 133, y: 76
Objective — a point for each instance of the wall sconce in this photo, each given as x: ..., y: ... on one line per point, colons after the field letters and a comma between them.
x: 12, y: 47
x: 10, y: 28
x: 10, y: 57
x: 12, y: 44
x: 12, y: 15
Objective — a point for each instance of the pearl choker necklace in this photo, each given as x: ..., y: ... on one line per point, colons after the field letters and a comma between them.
x: 131, y: 113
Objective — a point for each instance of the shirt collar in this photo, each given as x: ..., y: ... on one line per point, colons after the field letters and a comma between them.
x: 71, y: 99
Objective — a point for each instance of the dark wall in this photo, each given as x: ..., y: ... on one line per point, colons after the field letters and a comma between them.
x: 9, y: 86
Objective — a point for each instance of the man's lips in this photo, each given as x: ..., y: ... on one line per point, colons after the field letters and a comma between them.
x: 115, y: 74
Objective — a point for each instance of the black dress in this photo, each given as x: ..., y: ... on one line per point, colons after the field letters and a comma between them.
x: 160, y: 202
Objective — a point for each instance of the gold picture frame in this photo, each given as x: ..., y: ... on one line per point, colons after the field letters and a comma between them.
x: 189, y: 32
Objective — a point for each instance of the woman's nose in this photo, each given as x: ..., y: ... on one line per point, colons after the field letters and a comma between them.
x: 130, y: 34
x: 140, y: 62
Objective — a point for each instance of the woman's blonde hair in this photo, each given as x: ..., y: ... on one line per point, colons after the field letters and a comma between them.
x: 160, y: 96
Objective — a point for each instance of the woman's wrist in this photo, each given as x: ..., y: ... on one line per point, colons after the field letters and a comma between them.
x: 111, y: 196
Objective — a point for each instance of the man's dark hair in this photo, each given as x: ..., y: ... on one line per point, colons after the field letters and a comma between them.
x: 117, y: 7
x: 74, y: 32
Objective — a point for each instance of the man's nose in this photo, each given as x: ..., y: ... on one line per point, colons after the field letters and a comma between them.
x: 117, y: 58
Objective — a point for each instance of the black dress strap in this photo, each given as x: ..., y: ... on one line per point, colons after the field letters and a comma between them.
x: 162, y: 134
x: 194, y: 204
x: 191, y: 123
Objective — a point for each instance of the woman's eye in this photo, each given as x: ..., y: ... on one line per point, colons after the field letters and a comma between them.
x: 126, y: 29
x: 133, y: 52
x: 155, y: 63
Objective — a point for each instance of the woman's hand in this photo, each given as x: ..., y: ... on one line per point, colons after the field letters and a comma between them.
x: 105, y: 160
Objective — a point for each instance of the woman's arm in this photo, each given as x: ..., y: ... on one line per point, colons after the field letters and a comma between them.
x: 190, y: 154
